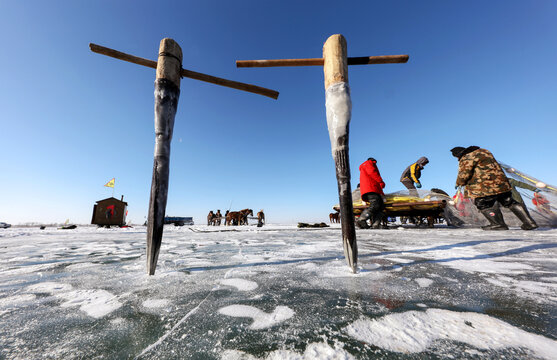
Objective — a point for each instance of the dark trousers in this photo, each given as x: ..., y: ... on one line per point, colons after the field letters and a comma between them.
x: 486, y: 202
x: 410, y: 186
x: 375, y: 201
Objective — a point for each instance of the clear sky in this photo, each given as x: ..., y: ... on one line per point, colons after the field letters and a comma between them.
x: 480, y: 73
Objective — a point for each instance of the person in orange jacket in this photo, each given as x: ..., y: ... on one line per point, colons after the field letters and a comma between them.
x: 371, y: 188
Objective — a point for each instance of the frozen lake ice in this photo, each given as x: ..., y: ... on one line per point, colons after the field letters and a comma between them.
x: 278, y: 292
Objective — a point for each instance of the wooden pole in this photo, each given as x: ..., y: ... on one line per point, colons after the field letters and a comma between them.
x: 167, y: 93
x: 339, y: 107
x: 185, y: 73
x: 364, y: 60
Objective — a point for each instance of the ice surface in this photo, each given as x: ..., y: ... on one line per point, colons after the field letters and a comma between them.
x: 278, y: 292
x: 156, y: 303
x: 423, y: 282
x: 313, y: 351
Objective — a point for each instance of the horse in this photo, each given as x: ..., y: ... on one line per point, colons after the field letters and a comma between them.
x: 334, y: 217
x: 232, y: 218
x: 260, y: 218
x: 210, y: 218
x: 245, y: 213
x: 238, y: 217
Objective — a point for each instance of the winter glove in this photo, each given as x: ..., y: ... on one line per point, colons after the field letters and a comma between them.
x: 456, y: 187
x: 537, y: 190
x: 418, y: 185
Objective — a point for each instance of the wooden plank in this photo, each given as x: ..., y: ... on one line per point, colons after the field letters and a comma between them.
x: 363, y: 60
x: 231, y: 84
x: 122, y: 56
x: 383, y: 59
x: 186, y: 73
x: 422, y: 204
x: 279, y: 62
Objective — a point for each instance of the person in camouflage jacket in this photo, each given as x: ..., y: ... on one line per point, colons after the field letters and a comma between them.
x: 481, y: 173
x: 488, y: 185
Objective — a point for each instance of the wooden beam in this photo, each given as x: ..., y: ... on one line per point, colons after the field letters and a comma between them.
x: 382, y: 59
x: 364, y: 60
x: 185, y: 73
x: 279, y: 62
x: 122, y: 56
x: 231, y: 84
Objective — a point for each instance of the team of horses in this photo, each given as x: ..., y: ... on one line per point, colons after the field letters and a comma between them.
x: 233, y: 217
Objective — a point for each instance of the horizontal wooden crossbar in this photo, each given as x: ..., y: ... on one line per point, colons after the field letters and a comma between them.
x: 186, y: 73
x: 364, y: 60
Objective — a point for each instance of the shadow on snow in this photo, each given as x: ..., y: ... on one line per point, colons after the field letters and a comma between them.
x: 509, y: 252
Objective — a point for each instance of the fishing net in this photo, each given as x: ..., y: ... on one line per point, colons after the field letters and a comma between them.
x: 539, y: 197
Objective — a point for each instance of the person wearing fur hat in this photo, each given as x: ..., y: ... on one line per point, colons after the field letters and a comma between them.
x: 411, y: 175
x: 371, y: 188
x: 488, y: 185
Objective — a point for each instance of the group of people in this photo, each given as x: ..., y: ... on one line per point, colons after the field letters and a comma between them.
x: 371, y: 189
x: 215, y: 219
x: 478, y: 171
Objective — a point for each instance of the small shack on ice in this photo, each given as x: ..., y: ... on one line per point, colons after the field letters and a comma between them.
x: 110, y: 211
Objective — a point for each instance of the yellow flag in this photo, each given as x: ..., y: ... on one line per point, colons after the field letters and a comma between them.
x: 110, y: 183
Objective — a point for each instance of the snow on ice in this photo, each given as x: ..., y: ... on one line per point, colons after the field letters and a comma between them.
x: 413, y: 331
x: 278, y: 292
x: 240, y: 284
x: 261, y: 320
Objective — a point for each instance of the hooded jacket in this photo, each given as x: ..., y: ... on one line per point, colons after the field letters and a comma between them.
x: 370, y: 178
x: 414, y: 171
x: 481, y: 173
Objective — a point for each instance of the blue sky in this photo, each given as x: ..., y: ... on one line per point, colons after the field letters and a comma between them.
x: 480, y: 73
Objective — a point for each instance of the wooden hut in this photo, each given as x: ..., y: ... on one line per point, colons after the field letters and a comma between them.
x: 110, y: 211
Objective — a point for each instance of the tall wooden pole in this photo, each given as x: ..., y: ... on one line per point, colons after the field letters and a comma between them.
x: 167, y: 93
x: 339, y: 107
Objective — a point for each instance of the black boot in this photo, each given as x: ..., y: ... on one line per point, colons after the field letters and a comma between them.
x: 495, y: 218
x: 377, y: 218
x: 520, y: 211
x: 362, y: 221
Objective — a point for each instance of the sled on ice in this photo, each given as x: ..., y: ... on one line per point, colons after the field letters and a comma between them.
x: 430, y: 207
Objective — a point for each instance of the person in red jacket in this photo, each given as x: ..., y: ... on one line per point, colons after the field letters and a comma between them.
x: 371, y: 188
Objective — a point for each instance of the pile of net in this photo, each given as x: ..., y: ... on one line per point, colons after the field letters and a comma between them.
x: 539, y: 198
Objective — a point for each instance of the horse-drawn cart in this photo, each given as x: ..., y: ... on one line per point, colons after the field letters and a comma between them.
x: 407, y: 206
